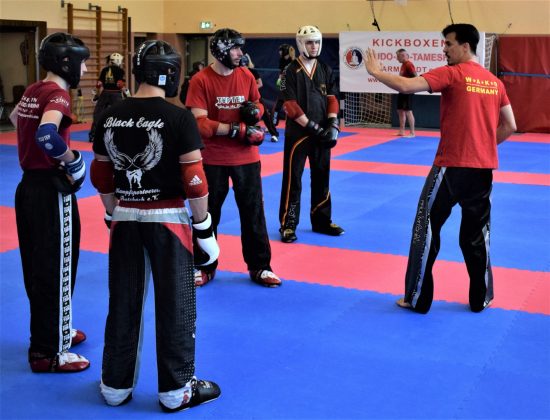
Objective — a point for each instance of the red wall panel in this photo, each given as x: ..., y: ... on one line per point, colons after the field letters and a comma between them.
x: 524, y: 67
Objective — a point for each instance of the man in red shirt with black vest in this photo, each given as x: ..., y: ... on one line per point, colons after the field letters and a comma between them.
x: 476, y: 116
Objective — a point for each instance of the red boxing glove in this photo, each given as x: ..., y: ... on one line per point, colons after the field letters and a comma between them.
x: 252, y: 135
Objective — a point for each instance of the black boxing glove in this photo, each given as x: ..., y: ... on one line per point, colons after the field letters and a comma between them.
x: 329, y: 136
x: 313, y: 128
x: 249, y: 113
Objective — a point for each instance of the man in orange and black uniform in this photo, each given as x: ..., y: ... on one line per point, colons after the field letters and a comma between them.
x: 312, y: 129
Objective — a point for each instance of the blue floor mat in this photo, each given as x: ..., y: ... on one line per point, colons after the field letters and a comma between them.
x: 301, y: 351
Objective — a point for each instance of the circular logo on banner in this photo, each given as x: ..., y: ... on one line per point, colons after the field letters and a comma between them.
x: 353, y: 57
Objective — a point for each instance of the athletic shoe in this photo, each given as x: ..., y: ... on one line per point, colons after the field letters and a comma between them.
x: 332, y: 229
x: 77, y: 337
x: 201, y: 392
x: 265, y: 278
x: 60, y: 363
x: 274, y: 139
x: 203, y: 277
x: 410, y: 136
x: 115, y: 397
x: 288, y: 235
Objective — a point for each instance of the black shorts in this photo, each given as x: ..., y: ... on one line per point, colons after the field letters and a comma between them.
x: 404, y: 101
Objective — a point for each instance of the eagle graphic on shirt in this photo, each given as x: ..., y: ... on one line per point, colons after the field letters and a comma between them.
x: 140, y: 163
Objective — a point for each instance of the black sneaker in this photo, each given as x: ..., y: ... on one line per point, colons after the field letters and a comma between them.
x: 288, y: 235
x: 201, y: 392
x: 333, y: 230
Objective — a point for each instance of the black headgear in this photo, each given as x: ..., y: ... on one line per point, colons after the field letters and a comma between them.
x: 62, y: 54
x: 158, y: 64
x: 221, y: 44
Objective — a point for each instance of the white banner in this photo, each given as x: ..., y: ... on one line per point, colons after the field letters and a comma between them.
x: 425, y: 52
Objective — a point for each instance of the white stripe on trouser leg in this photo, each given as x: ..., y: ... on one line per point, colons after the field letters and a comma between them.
x: 114, y: 396
x: 65, y: 270
x: 428, y: 239
x: 175, y: 398
x: 146, y: 279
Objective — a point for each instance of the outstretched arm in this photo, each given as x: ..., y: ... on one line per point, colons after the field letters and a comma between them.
x: 394, y: 81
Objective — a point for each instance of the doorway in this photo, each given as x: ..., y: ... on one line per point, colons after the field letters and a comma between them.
x: 19, y: 67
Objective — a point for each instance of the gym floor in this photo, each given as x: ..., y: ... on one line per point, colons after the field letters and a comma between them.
x: 329, y: 343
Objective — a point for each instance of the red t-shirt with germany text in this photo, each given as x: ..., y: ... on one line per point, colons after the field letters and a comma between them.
x: 471, y: 98
x: 221, y: 96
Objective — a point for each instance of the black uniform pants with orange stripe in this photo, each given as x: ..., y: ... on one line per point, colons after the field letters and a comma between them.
x: 295, y: 154
x: 247, y: 185
x: 48, y: 227
x: 444, y: 187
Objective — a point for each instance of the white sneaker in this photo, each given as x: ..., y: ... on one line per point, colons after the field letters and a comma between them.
x: 274, y: 139
x: 265, y: 278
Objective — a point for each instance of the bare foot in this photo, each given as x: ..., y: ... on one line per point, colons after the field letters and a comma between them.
x: 402, y: 304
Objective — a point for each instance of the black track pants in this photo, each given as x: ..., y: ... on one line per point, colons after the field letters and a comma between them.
x: 48, y: 227
x: 471, y: 189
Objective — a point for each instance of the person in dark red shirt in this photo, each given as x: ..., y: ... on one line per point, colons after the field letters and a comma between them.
x: 48, y: 222
x: 476, y: 116
x: 225, y: 100
x: 404, y: 101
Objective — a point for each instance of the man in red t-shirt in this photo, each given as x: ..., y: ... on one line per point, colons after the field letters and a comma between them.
x: 224, y: 99
x: 48, y: 222
x: 404, y: 100
x: 476, y: 116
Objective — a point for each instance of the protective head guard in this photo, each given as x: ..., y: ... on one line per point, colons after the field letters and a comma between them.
x: 62, y: 54
x: 158, y: 64
x: 308, y: 33
x: 221, y: 44
x: 116, y: 59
